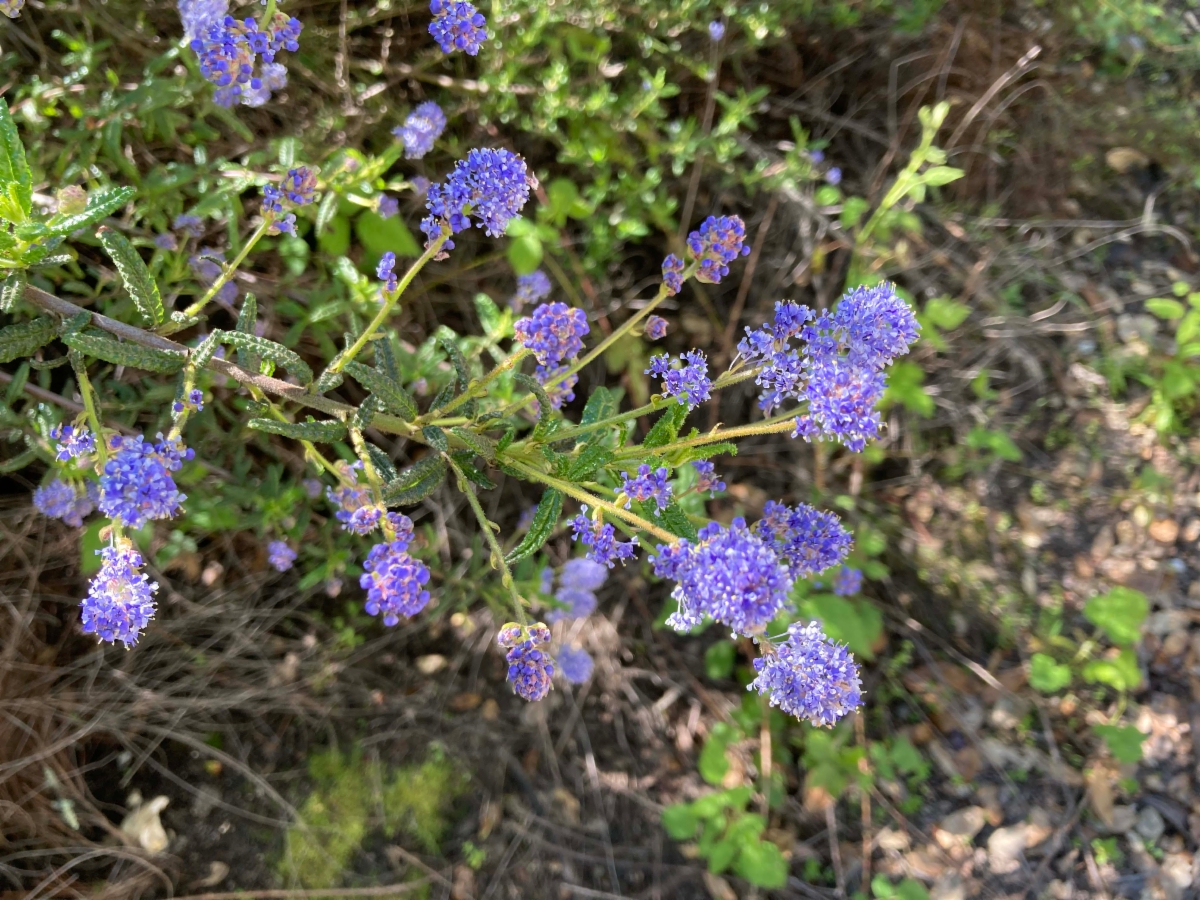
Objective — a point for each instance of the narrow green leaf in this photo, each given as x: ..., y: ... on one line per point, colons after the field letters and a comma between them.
x: 137, y: 278
x: 673, y: 518
x: 481, y: 445
x: 593, y: 457
x: 20, y: 461
x: 327, y: 431
x: 395, y: 398
x: 436, y: 438
x: 329, y: 380
x: 416, y: 482
x: 666, y: 428
x: 16, y: 184
x: 383, y: 463
x: 545, y: 407
x: 100, y: 204
x: 326, y: 210
x: 545, y: 517
x: 125, y: 354
x: 602, y: 404
x: 18, y: 383
x: 456, y: 359
x: 473, y: 474
x: 277, y: 353
x: 12, y: 290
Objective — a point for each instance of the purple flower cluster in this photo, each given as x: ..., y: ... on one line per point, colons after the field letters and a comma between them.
x: 716, y: 30
x: 690, y: 384
x: 809, y: 676
x: 11, y: 8
x: 847, y: 581
x: 198, y: 15
x: 229, y: 50
x: 655, y: 328
x: 554, y: 332
x: 193, y: 226
x: 193, y: 402
x: 297, y: 188
x: 457, y: 25
x: 729, y: 574
x: 706, y: 477
x: 61, y: 500
x: 491, y: 186
x: 717, y: 243
x: 355, y: 509
x: 530, y: 289
x: 601, y: 540
x: 387, y: 206
x: 136, y: 484
x: 578, y: 582
x: 386, y: 272
x: 559, y: 392
x: 393, y: 579
x: 120, y: 600
x: 280, y: 555
x: 647, y: 485
x: 672, y: 273
x: 575, y: 664
x: 421, y: 128
x: 530, y: 670
x: 73, y: 442
x: 807, y: 540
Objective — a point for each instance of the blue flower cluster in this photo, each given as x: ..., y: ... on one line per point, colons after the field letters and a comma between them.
x: 74, y: 442
x: 807, y: 540
x: 421, y: 128
x: 386, y: 272
x: 61, y: 500
x: 559, y: 389
x: 120, y: 600
x: 387, y: 206
x: 655, y: 328
x: 530, y: 670
x: 280, y: 555
x: 672, y: 273
x: 578, y: 582
x: 193, y: 402
x: 530, y: 289
x: 689, y: 384
x: 809, y: 676
x: 229, y: 50
x: 193, y: 226
x: 847, y: 581
x: 136, y: 484
x: 491, y: 186
x: 729, y: 574
x: 297, y: 188
x: 356, y: 509
x: 647, y: 485
x: 601, y: 540
x: 575, y: 664
x: 11, y: 8
x: 717, y: 243
x: 706, y: 477
x: 457, y: 25
x: 554, y: 332
x: 716, y: 30
x: 393, y: 579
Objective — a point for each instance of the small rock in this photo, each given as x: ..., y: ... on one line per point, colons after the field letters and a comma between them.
x: 1123, y: 819
x: 1125, y: 159
x: 1004, y: 848
x: 143, y: 824
x: 960, y: 827
x: 718, y: 887
x: 431, y: 663
x: 1178, y: 872
x: 1038, y: 826
x: 949, y: 886
x: 1191, y: 531
x: 892, y: 839
x: 1103, y: 544
x: 1150, y: 824
x: 1008, y: 712
x: 1165, y: 531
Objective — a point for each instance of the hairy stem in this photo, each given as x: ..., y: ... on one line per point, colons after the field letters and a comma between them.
x: 775, y: 425
x: 477, y: 388
x: 88, y: 393
x: 228, y: 270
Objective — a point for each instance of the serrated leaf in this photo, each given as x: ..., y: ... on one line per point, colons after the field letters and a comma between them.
x: 16, y: 184
x: 247, y: 316
x: 383, y: 463
x: 602, y: 404
x: 204, y: 351
x: 456, y: 359
x: 673, y: 518
x: 125, y: 354
x: 1046, y: 675
x: 593, y: 457
x: 1124, y: 741
x: 1120, y: 612
x: 137, y: 278
x: 12, y: 290
x: 545, y: 517
x: 329, y: 380
x: 326, y: 211
x: 707, y: 451
x: 366, y: 413
x: 395, y: 398
x: 679, y: 821
x: 24, y: 338
x: 436, y: 438
x: 666, y: 428
x: 277, y: 353
x: 327, y: 431
x: 490, y: 317
x: 472, y: 473
x: 416, y: 482
x: 385, y: 359
x: 482, y: 446
x: 101, y: 203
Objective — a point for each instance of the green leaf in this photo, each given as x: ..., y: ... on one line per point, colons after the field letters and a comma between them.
x: 1120, y: 673
x: 395, y: 398
x: 335, y: 239
x: 1120, y: 613
x: 906, y: 386
x: 481, y: 445
x: 22, y: 339
x: 996, y: 442
x: 525, y: 253
x: 383, y: 463
x: 712, y: 763
x: 18, y: 462
x: 680, y: 821
x: 16, y: 184
x: 125, y: 354
x: 463, y: 460
x: 494, y: 322
x: 673, y: 518
x: 90, y: 546
x: 666, y: 428
x: 939, y: 175
x: 416, y: 482
x: 277, y: 353
x: 545, y: 517
x: 379, y: 235
x: 1165, y: 308
x: 326, y: 211
x: 1124, y: 741
x: 762, y: 864
x: 12, y: 290
x: 436, y: 438
x: 882, y: 888
x: 137, y: 278
x: 719, y: 660
x: 1188, y: 328
x: 591, y: 458
x: 945, y: 313
x: 100, y: 204
x: 911, y: 889
x: 326, y: 432
x: 545, y: 408
x: 855, y: 622
x: 602, y: 404
x: 721, y: 854
x: 1046, y: 675
x: 461, y: 369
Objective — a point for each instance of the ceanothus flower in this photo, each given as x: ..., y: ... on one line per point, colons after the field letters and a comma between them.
x: 730, y: 575
x: 647, y: 485
x: 350, y: 496
x: 166, y: 241
x: 457, y: 25
x: 312, y: 487
x: 198, y: 15
x: 386, y: 273
x: 136, y: 484
x: 847, y: 581
x: 554, y: 332
x: 530, y: 670
x: 60, y: 500
x: 228, y: 50
x: 285, y: 224
x: 421, y: 128
x: 655, y: 328
x: 706, y: 477
x: 870, y: 327
x: 386, y: 206
x: 120, y: 600
x: 577, y: 585
x: 193, y: 226
x: 74, y: 442
x: 280, y: 555
x: 809, y: 676
x: 393, y: 579
x: 530, y: 289
x: 575, y: 664
x: 11, y: 8
x: 193, y: 402
x: 364, y: 520
x: 807, y: 540
x: 834, y: 176
x: 601, y: 540
x: 690, y: 385
x: 274, y: 78
x: 717, y: 243
x: 716, y: 30
x: 672, y: 273
x: 560, y: 391
x: 490, y: 186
